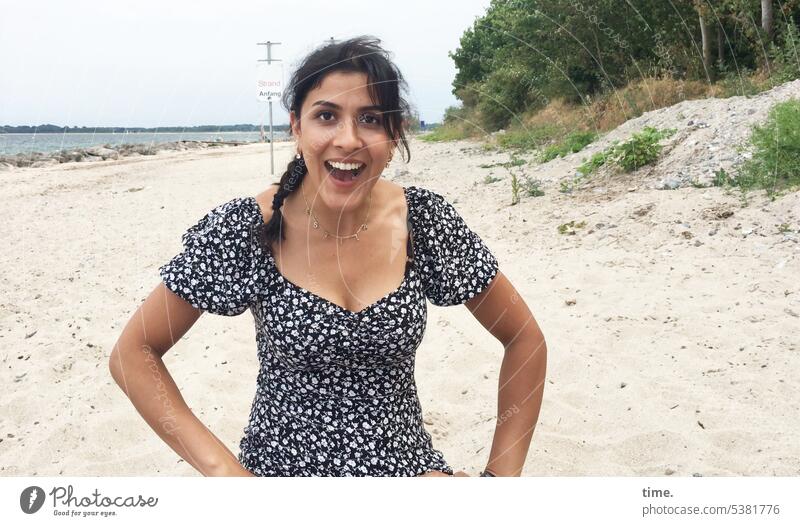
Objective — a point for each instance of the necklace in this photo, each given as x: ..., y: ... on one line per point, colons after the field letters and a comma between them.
x: 325, y: 232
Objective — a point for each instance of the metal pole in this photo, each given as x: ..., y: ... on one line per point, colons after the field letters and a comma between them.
x: 271, y: 141
x: 270, y: 60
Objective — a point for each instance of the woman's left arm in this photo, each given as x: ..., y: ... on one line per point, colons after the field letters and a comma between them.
x: 501, y: 310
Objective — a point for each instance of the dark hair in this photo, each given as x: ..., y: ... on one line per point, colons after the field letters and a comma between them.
x: 384, y: 81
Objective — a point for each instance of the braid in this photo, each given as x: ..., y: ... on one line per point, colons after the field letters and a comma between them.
x: 290, y: 181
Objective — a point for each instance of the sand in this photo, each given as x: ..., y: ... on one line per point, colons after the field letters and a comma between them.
x: 673, y: 335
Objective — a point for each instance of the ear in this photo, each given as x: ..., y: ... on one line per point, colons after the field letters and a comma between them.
x: 294, y: 122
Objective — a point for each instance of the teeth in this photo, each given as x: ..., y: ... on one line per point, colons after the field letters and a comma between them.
x: 345, y: 166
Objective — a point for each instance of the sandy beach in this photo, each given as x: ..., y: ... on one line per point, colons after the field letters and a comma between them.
x: 673, y: 326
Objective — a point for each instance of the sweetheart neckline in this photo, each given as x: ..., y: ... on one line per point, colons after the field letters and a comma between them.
x: 406, y: 273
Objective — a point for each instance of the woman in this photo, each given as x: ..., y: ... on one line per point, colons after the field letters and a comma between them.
x: 315, y: 260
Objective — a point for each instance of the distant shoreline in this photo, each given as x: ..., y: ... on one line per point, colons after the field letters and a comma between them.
x: 206, y: 128
x: 106, y: 152
x: 266, y: 131
x: 26, y: 144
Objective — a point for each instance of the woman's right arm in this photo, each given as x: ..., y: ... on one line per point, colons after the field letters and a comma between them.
x: 138, y: 369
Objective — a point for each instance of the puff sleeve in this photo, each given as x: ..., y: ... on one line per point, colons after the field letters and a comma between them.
x: 458, y: 264
x: 214, y: 272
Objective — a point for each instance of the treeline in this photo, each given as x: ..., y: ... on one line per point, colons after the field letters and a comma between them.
x: 50, y: 128
x: 524, y: 53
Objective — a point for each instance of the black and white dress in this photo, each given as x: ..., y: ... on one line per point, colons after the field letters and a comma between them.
x: 335, y: 392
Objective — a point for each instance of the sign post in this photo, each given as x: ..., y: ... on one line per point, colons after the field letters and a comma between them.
x: 269, y: 85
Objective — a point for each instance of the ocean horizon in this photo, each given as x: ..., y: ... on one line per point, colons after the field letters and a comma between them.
x: 14, y: 143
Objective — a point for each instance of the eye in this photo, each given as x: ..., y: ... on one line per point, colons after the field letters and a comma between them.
x: 320, y: 114
x: 370, y: 118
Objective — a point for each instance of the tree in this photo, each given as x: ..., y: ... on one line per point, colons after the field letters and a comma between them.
x: 767, y: 18
x: 703, y: 13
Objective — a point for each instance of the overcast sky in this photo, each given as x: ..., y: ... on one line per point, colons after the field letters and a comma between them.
x: 186, y: 63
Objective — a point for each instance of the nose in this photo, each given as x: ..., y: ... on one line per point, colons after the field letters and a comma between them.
x: 347, y: 136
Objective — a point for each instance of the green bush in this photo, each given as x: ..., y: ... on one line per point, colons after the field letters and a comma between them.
x: 533, y: 187
x: 455, y: 116
x: 721, y: 178
x: 569, y: 228
x: 528, y: 139
x: 784, y: 54
x: 737, y: 82
x: 775, y: 163
x: 503, y: 96
x: 572, y: 143
x: 515, y: 161
x: 445, y: 132
x: 641, y: 149
x: 596, y: 161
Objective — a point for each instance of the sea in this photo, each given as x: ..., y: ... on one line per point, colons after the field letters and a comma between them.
x: 13, y: 143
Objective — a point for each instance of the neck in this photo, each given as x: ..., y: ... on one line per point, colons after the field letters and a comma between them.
x: 337, y: 221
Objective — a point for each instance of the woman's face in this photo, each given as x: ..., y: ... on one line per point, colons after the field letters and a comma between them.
x: 340, y: 123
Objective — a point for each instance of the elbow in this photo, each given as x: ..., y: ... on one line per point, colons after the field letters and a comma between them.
x: 531, y: 342
x: 120, y: 363
x: 115, y: 365
x: 128, y: 358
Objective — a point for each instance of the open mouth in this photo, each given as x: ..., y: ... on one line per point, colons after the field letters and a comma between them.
x: 344, y: 172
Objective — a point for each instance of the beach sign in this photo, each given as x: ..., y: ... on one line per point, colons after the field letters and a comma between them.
x: 269, y: 82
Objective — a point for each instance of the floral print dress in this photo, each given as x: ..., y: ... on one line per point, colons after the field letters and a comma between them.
x: 335, y: 391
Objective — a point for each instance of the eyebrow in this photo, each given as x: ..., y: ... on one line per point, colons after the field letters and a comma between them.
x: 337, y: 107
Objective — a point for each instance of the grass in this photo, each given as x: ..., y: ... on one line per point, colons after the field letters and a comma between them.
x: 519, y: 181
x: 514, y: 189
x: 605, y: 111
x: 529, y: 138
x: 445, y: 133
x: 641, y: 149
x: 572, y: 143
x: 489, y: 179
x: 775, y: 163
x: 594, y: 163
x: 722, y: 179
x: 569, y: 228
x: 532, y: 187
x: 515, y: 161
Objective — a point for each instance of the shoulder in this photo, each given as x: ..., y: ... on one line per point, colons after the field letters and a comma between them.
x: 233, y: 218
x: 424, y: 195
x: 430, y: 209
x: 264, y: 202
x: 429, y: 200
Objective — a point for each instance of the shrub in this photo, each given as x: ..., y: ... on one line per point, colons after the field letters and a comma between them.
x: 784, y: 54
x: 596, y: 161
x: 641, y: 149
x: 503, y: 96
x: 445, y: 132
x: 572, y: 143
x: 530, y: 138
x: 775, y: 163
x: 533, y: 187
x: 721, y: 178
